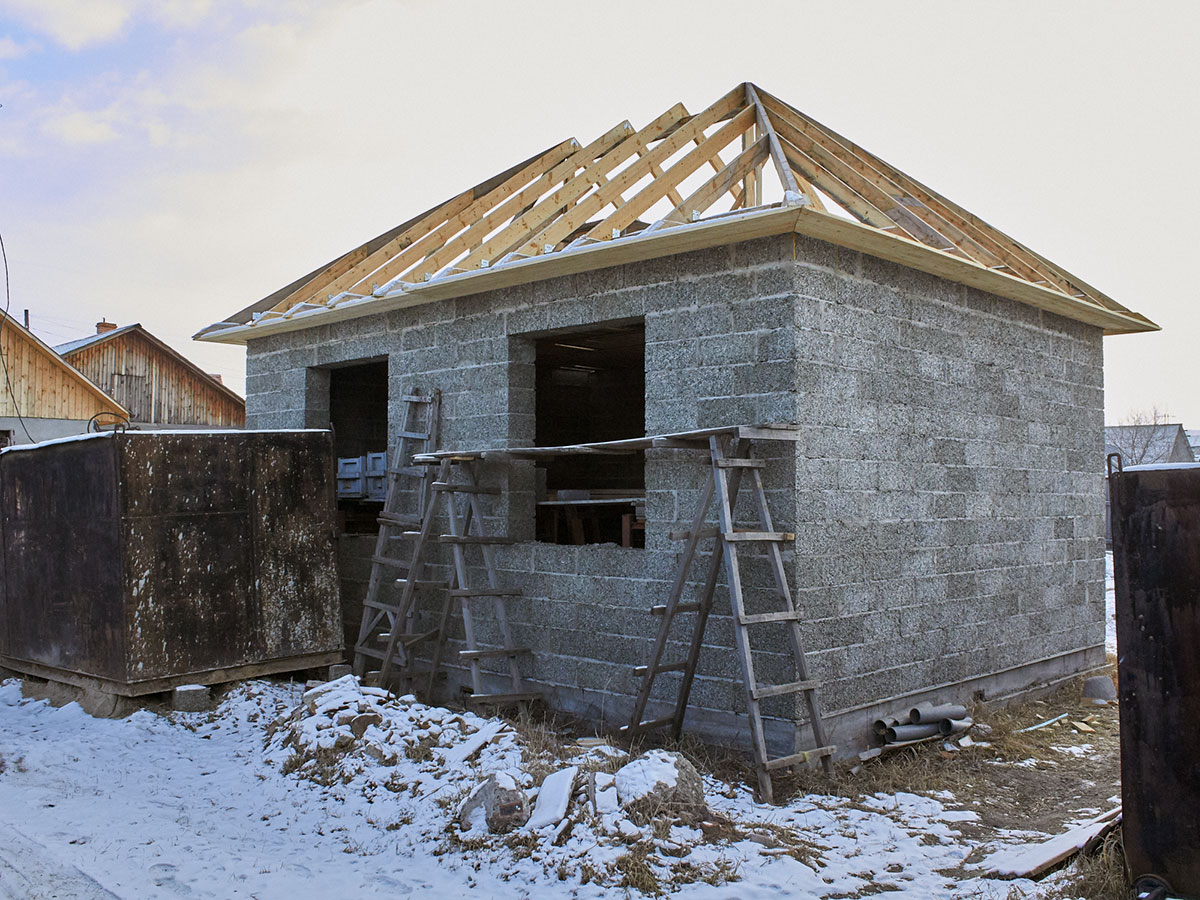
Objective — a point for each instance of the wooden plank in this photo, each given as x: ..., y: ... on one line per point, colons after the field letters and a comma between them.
x: 1032, y: 860
x: 418, y: 248
x: 804, y: 757
x: 555, y: 231
x: 621, y: 218
x: 700, y: 200
x: 473, y: 236
x: 776, y: 690
x: 519, y: 231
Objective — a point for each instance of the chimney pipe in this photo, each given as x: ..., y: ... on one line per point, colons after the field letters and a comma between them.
x: 216, y: 376
x: 104, y: 326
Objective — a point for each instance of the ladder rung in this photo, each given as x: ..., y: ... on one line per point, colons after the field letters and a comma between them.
x: 388, y: 561
x: 649, y: 725
x: 374, y: 654
x: 489, y: 654
x: 387, y: 518
x: 413, y: 435
x: 741, y: 463
x: 410, y: 640
x: 414, y: 471
x: 475, y: 539
x: 805, y: 756
x: 423, y: 583
x: 464, y: 488
x: 792, y: 687
x: 787, y: 615
x: 640, y: 671
x: 502, y: 698
x: 780, y: 536
x: 416, y: 398
x: 684, y: 535
x: 486, y: 592
x: 661, y: 610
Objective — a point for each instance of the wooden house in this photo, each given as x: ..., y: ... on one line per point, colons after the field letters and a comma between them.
x: 157, y: 384
x: 43, y: 397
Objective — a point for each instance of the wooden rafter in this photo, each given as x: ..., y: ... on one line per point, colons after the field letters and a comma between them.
x: 571, y: 198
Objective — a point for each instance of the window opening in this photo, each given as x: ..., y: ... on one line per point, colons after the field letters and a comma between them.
x: 591, y: 387
x: 358, y: 412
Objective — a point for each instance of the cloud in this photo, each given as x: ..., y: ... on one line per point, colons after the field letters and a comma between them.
x: 72, y: 23
x: 10, y: 49
x: 80, y: 127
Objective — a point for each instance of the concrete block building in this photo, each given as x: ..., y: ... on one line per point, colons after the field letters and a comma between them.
x: 944, y: 385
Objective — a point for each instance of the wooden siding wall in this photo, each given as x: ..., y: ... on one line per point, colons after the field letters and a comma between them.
x: 44, y: 387
x: 154, y: 386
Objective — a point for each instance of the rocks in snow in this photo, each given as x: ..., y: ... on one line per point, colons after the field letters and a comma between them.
x: 661, y: 783
x: 499, y: 800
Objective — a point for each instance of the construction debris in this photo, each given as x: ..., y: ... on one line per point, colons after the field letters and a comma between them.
x: 1033, y: 860
x: 924, y: 722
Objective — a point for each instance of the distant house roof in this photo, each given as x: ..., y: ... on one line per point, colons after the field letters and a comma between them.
x: 71, y: 348
x: 157, y: 384
x: 1193, y: 436
x: 635, y: 194
x: 51, y: 388
x: 1150, y: 443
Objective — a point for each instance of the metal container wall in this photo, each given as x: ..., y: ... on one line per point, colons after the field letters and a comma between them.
x: 140, y: 559
x: 1156, y: 556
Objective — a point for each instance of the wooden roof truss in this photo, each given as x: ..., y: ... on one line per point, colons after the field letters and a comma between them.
x: 746, y: 151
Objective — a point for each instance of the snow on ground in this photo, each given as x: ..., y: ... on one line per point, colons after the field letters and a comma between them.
x: 346, y: 792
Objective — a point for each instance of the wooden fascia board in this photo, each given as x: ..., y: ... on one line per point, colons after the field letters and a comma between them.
x: 70, y: 370
x: 702, y: 235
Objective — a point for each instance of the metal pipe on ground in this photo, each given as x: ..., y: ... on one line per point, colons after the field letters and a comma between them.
x: 912, y: 732
x: 923, y: 714
x: 954, y: 726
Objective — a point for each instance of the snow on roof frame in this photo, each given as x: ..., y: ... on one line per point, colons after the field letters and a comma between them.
x: 575, y: 208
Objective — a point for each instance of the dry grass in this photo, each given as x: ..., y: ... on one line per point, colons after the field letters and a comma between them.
x: 1098, y: 876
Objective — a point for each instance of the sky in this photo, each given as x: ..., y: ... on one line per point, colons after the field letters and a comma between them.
x: 172, y: 161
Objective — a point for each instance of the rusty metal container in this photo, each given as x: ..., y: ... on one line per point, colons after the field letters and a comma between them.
x: 1156, y: 558
x: 139, y: 561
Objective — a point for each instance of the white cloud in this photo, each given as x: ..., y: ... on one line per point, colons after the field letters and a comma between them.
x: 72, y: 23
x: 80, y: 127
x: 10, y: 49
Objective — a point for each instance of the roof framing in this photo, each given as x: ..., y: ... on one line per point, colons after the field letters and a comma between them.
x: 636, y: 194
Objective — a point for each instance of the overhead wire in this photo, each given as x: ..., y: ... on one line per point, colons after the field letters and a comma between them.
x: 3, y: 361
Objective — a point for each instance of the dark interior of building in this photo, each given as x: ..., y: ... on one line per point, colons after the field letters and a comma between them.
x: 591, y: 387
x: 358, y: 412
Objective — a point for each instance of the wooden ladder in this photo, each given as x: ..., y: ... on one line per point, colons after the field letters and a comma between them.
x: 462, y: 535
x: 381, y: 620
x: 724, y: 482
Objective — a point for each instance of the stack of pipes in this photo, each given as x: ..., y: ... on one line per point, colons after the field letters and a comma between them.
x: 923, y: 722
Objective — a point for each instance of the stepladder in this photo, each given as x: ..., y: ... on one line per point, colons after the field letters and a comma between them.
x: 386, y: 633
x: 454, y: 502
x: 757, y: 607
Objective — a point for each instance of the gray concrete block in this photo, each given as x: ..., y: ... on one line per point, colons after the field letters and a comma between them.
x: 191, y: 698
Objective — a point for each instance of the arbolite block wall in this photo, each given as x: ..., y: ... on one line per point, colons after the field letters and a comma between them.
x: 944, y: 493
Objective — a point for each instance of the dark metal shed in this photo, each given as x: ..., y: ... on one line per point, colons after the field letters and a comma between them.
x: 1156, y: 561
x: 139, y: 561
